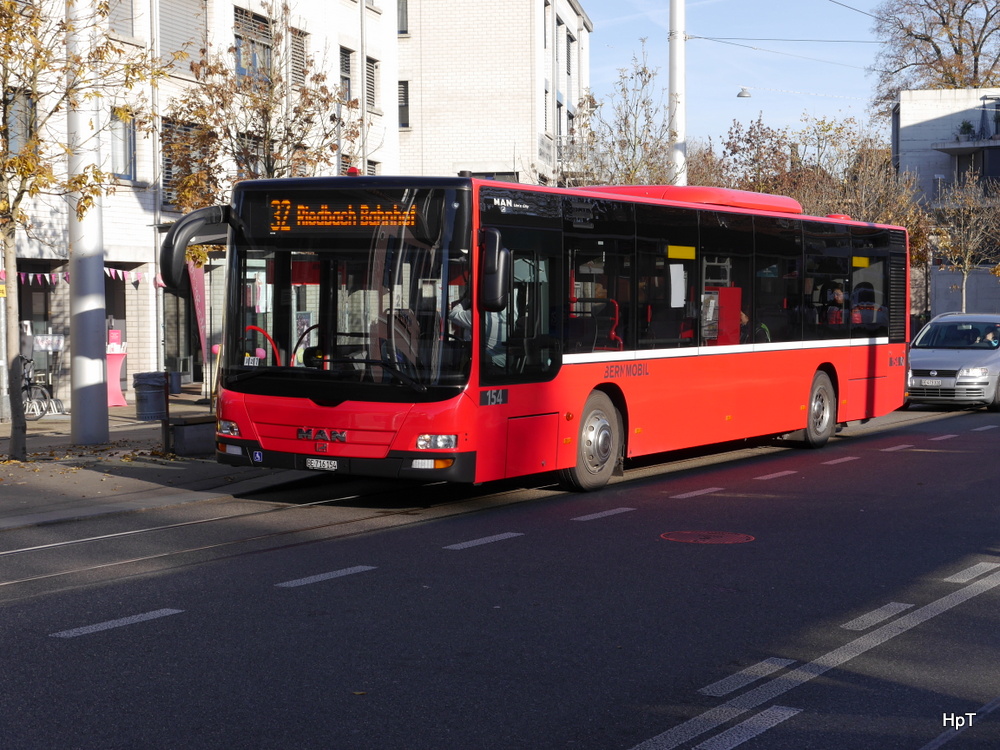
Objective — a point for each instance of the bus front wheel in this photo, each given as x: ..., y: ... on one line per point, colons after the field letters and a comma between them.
x: 599, y: 445
x: 822, y: 412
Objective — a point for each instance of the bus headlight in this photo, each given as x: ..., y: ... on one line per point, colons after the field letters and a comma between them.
x: 225, y: 427
x: 437, y: 442
x: 974, y: 372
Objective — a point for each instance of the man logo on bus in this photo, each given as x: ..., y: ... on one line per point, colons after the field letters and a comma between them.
x: 332, y: 436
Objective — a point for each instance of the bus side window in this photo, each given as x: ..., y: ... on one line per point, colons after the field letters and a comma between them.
x: 727, y: 244
x: 666, y: 306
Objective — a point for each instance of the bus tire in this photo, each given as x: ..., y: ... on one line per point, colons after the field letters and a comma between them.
x: 599, y: 446
x: 821, y: 421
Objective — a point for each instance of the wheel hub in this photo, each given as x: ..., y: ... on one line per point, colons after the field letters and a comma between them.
x: 598, y: 441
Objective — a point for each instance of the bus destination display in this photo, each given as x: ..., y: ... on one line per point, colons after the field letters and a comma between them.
x: 308, y: 217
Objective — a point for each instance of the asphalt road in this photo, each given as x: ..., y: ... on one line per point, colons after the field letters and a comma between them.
x: 763, y: 597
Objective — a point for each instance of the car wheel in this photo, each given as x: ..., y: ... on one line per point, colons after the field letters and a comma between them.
x: 995, y: 404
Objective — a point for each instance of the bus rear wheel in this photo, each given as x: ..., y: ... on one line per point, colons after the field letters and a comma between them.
x: 822, y: 412
x: 599, y: 445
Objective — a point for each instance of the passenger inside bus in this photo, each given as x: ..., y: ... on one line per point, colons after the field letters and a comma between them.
x: 753, y: 334
x: 833, y: 298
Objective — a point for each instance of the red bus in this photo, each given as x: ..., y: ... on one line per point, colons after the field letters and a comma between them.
x: 470, y: 330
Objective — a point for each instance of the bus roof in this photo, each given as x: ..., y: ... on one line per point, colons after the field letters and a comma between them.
x: 715, y: 196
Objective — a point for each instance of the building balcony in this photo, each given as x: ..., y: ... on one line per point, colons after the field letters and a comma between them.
x: 962, y: 148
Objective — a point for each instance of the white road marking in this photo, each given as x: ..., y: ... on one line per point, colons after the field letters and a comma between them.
x: 746, y: 676
x: 695, y: 493
x: 896, y: 448
x: 603, y: 514
x: 749, y: 729
x: 325, y: 576
x: 949, y: 734
x: 876, y: 616
x: 716, y: 717
x: 841, y: 460
x: 968, y: 574
x: 942, y: 437
x: 777, y: 474
x: 120, y: 623
x: 484, y: 540
x: 987, y: 427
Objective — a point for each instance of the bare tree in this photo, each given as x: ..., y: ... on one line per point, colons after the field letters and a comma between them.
x: 704, y: 165
x: 36, y: 91
x: 968, y: 218
x: 757, y: 157
x: 626, y: 139
x: 936, y: 44
x: 262, y: 108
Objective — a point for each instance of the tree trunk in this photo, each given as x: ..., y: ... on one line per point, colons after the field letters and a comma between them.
x: 18, y: 449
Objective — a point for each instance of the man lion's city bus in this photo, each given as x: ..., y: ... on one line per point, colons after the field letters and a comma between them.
x: 470, y: 330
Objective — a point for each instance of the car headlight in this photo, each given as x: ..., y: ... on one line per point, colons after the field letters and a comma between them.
x: 439, y: 442
x: 974, y: 372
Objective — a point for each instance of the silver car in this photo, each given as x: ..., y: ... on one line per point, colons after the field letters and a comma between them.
x: 955, y: 359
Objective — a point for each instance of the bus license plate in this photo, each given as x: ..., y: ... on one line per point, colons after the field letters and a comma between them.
x: 930, y: 382
x: 326, y: 464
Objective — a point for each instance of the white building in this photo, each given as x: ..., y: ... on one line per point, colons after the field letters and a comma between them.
x: 490, y: 88
x: 357, y: 42
x: 938, y: 135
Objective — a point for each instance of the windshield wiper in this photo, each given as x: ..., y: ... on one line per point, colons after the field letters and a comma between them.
x: 248, y: 374
x: 404, y: 377
x: 400, y: 374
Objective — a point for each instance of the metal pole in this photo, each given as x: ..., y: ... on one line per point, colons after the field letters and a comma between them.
x: 89, y: 415
x: 678, y: 113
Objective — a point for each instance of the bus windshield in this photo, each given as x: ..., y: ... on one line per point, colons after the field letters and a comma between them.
x: 333, y: 293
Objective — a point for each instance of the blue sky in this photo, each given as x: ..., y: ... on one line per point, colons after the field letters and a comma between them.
x: 824, y: 77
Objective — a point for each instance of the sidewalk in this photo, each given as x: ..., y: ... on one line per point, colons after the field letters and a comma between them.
x: 61, y: 481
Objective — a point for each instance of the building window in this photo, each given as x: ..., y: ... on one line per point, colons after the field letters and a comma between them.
x: 250, y: 158
x: 121, y: 17
x: 569, y: 55
x: 402, y: 17
x: 298, y: 54
x: 19, y: 125
x: 371, y: 79
x: 253, y: 44
x: 122, y: 147
x: 371, y: 168
x: 175, y: 133
x: 345, y: 73
x: 404, y: 104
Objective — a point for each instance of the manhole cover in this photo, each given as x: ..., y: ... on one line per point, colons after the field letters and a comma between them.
x: 706, y: 537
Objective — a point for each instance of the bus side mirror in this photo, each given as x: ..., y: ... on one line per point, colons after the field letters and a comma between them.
x: 206, y: 226
x: 496, y: 271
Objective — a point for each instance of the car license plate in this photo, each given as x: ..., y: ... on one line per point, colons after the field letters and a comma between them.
x: 930, y: 382
x: 326, y: 464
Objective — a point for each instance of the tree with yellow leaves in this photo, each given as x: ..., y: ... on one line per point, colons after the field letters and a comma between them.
x: 42, y: 76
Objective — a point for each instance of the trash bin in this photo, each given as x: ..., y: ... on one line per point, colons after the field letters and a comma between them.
x: 175, y: 382
x: 150, y: 395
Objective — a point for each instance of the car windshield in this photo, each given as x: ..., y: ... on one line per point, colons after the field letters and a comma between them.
x: 959, y: 335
